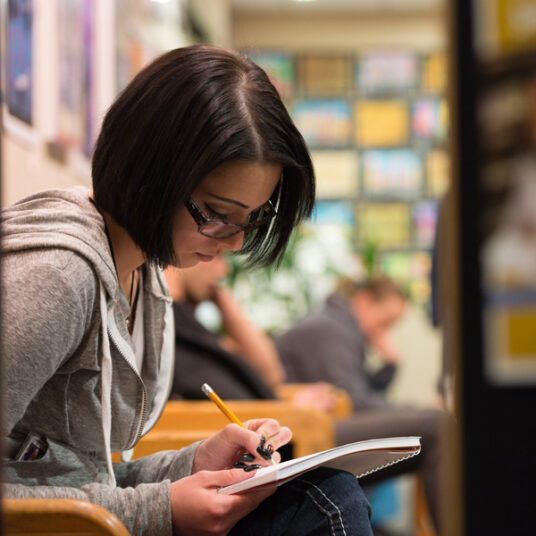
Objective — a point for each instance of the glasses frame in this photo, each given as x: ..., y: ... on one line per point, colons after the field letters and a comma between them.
x: 203, y: 220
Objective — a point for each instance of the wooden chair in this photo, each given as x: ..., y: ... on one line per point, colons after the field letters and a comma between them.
x: 56, y: 517
x: 422, y: 524
x: 184, y: 422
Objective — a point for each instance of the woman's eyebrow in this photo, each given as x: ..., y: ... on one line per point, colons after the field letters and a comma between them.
x: 228, y: 200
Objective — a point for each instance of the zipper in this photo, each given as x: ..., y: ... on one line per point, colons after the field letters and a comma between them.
x: 143, y: 413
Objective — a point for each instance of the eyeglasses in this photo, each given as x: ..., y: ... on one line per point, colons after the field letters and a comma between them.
x: 216, y: 228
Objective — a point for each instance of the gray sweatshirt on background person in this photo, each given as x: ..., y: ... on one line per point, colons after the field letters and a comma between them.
x: 68, y: 364
x: 329, y: 345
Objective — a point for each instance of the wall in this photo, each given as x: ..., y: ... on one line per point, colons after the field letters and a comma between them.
x: 27, y: 166
x: 339, y: 32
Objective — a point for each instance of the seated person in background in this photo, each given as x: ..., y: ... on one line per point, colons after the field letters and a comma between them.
x: 202, y: 356
x: 242, y: 363
x: 332, y: 345
x: 239, y: 374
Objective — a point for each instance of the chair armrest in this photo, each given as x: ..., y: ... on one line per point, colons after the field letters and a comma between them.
x: 59, y: 516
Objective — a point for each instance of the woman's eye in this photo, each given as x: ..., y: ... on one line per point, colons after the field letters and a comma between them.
x: 215, y: 214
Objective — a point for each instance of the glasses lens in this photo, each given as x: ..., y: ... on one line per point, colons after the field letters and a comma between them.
x: 219, y: 229
x: 215, y: 229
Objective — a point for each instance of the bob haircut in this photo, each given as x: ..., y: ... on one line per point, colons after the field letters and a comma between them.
x: 191, y: 110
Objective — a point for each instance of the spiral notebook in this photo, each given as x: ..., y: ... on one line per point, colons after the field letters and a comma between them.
x: 360, y: 458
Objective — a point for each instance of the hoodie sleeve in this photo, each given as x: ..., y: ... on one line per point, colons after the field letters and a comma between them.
x: 144, y: 510
x: 43, y: 318
x: 142, y: 500
x: 168, y: 464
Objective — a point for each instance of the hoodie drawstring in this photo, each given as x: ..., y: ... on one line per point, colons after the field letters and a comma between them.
x: 106, y: 387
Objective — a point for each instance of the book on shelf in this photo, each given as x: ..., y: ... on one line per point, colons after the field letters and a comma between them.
x: 360, y: 458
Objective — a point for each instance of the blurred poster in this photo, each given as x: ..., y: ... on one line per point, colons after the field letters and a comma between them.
x: 381, y: 123
x: 76, y: 124
x: 338, y: 213
x: 325, y: 75
x: 323, y: 122
x: 381, y: 72
x: 437, y: 172
x: 411, y: 270
x: 506, y: 123
x: 505, y: 28
x: 424, y: 223
x: 434, y: 74
x: 337, y: 173
x: 19, y: 59
x: 429, y: 119
x: 144, y: 29
x: 386, y: 225
x: 392, y: 173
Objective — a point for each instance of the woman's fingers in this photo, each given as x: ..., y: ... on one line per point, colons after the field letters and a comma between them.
x: 271, y: 437
x: 261, y: 438
x: 197, y: 507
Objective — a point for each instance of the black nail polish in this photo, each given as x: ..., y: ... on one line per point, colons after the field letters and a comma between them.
x: 264, y: 453
x: 240, y: 465
x: 263, y: 441
x: 247, y: 457
x: 252, y: 467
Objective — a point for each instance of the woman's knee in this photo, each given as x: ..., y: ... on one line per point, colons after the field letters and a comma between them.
x: 342, y: 487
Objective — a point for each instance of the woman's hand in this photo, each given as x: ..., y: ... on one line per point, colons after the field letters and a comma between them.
x: 224, y: 448
x: 198, y: 509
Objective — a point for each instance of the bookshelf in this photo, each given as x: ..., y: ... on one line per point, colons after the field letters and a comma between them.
x: 376, y: 123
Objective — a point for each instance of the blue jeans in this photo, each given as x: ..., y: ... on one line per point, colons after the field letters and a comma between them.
x: 322, y: 502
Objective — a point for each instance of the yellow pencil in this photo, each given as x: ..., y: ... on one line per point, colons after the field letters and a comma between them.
x: 221, y: 404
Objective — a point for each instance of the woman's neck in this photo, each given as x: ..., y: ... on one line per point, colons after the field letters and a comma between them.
x: 127, y: 256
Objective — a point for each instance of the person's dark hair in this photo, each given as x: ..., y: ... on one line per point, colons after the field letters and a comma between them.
x: 189, y: 111
x: 380, y: 287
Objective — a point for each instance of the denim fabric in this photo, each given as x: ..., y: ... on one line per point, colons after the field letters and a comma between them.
x: 323, y: 502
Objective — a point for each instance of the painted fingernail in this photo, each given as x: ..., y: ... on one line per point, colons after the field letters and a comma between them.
x: 264, y: 453
x: 270, y: 449
x: 247, y: 457
x: 263, y: 441
x: 240, y: 465
x: 252, y: 467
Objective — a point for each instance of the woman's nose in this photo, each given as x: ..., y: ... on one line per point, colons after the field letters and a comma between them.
x: 233, y: 243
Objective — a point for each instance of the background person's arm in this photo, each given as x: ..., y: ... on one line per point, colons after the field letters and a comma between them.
x: 243, y: 337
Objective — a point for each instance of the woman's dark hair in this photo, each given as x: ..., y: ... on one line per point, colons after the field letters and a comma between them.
x: 189, y: 111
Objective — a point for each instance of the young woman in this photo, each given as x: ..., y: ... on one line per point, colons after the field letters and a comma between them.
x: 197, y: 155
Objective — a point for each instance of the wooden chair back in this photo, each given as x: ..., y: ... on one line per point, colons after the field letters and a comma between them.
x: 184, y: 422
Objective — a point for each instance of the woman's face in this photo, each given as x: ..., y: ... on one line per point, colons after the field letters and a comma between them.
x: 229, y: 192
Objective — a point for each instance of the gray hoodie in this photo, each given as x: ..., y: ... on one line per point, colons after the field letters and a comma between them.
x: 68, y: 364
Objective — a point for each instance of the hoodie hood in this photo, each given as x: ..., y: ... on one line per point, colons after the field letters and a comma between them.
x: 47, y: 219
